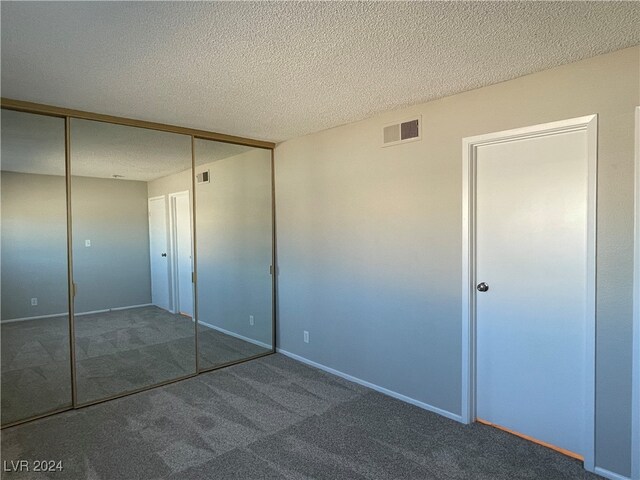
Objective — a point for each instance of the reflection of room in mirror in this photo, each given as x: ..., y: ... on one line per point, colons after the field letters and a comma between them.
x: 234, y: 242
x: 36, y: 373
x: 132, y: 257
x: 129, y: 332
x: 234, y: 277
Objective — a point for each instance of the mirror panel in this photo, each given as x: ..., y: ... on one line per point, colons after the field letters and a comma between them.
x: 234, y: 252
x: 36, y: 367
x: 131, y: 258
x: 132, y: 195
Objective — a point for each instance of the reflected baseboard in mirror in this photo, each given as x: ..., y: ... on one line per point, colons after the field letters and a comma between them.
x: 220, y: 347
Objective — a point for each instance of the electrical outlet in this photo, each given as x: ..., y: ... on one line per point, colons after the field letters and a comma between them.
x: 87, y: 243
x: 251, y: 322
x: 34, y: 302
x: 306, y: 337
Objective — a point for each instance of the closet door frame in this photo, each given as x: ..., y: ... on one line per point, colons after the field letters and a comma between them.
x: 67, y: 114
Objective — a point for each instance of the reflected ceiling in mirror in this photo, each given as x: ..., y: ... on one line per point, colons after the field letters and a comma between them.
x: 107, y: 150
x: 210, y: 151
x: 32, y: 143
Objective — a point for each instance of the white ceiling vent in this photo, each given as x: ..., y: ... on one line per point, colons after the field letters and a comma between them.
x: 203, y: 177
x: 402, y: 132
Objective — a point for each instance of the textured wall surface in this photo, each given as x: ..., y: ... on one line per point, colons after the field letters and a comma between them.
x: 369, y: 238
x: 277, y: 70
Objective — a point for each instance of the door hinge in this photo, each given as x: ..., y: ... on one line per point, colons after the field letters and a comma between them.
x: 75, y: 289
x: 193, y: 277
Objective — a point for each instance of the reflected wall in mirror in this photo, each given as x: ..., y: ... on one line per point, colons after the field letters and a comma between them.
x: 234, y: 252
x: 131, y: 258
x: 36, y: 367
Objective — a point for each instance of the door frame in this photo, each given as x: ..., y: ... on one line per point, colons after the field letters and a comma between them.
x: 635, y: 383
x: 173, y: 248
x: 168, y: 243
x: 470, y: 145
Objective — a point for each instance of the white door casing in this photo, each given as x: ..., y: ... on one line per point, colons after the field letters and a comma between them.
x: 182, y: 263
x: 158, y: 252
x: 529, y: 231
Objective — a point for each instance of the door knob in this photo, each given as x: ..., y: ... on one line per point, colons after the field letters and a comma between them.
x: 164, y: 254
x: 482, y: 287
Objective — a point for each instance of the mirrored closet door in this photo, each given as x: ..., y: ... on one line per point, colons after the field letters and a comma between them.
x: 234, y: 248
x: 123, y: 267
x: 132, y: 259
x: 36, y: 366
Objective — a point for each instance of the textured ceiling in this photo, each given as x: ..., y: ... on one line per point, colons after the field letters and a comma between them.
x: 276, y: 70
x: 35, y: 144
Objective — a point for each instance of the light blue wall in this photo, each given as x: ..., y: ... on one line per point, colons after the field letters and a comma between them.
x: 114, y: 271
x: 34, y: 245
x: 234, y: 243
x: 234, y: 230
x: 369, y: 238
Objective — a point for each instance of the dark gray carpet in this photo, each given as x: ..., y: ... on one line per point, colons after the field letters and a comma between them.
x: 117, y: 351
x: 216, y: 348
x: 274, y: 418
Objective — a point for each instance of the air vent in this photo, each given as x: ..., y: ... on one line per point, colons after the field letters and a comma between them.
x: 401, y: 132
x: 392, y: 133
x: 203, y: 177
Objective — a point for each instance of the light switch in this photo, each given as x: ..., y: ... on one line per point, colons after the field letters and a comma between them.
x: 87, y: 243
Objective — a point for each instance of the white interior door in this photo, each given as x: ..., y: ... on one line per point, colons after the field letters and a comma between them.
x: 158, y: 252
x: 532, y: 252
x: 183, y: 263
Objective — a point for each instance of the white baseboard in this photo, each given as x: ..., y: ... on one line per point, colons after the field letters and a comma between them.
x: 129, y: 307
x: 116, y: 309
x: 608, y: 474
x: 92, y: 312
x: 13, y: 320
x: 236, y: 335
x: 391, y: 393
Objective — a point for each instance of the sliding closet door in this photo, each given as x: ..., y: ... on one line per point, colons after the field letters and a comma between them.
x: 129, y: 335
x: 234, y: 252
x: 36, y: 367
